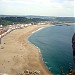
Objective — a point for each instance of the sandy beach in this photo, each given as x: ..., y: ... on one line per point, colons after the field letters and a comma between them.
x: 17, y: 55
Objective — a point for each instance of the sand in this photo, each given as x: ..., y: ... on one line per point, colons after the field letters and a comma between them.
x: 17, y: 55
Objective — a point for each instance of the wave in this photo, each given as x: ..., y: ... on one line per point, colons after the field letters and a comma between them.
x: 38, y: 29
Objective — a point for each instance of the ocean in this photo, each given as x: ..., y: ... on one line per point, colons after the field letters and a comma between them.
x: 55, y: 44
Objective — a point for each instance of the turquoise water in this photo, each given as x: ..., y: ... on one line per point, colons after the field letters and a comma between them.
x: 55, y: 44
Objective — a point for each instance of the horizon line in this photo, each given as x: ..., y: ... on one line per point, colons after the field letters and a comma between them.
x: 33, y: 15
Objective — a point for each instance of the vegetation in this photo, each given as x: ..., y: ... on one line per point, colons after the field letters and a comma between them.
x: 6, y: 20
x: 10, y: 20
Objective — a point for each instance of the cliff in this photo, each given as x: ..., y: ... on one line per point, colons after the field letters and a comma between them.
x: 73, y: 46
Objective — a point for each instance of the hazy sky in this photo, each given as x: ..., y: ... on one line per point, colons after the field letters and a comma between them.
x: 37, y: 7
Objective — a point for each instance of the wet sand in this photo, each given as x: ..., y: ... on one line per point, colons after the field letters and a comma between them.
x: 18, y: 55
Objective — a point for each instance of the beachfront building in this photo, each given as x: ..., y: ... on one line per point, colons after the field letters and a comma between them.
x: 42, y: 23
x: 19, y: 26
x: 10, y: 26
x: 26, y: 25
x: 1, y: 30
x: 33, y: 23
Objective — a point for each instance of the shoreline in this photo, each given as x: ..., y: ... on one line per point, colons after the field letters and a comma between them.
x: 22, y: 55
x: 40, y: 54
x: 41, y: 59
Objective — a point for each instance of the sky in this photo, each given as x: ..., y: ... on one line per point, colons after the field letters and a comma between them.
x: 64, y: 8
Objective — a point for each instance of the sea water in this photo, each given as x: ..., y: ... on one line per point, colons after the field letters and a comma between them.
x: 55, y: 44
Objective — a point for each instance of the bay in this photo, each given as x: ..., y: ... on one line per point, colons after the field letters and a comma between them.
x: 55, y: 44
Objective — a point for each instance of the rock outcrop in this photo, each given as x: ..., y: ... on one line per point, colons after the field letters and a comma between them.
x: 73, y: 46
